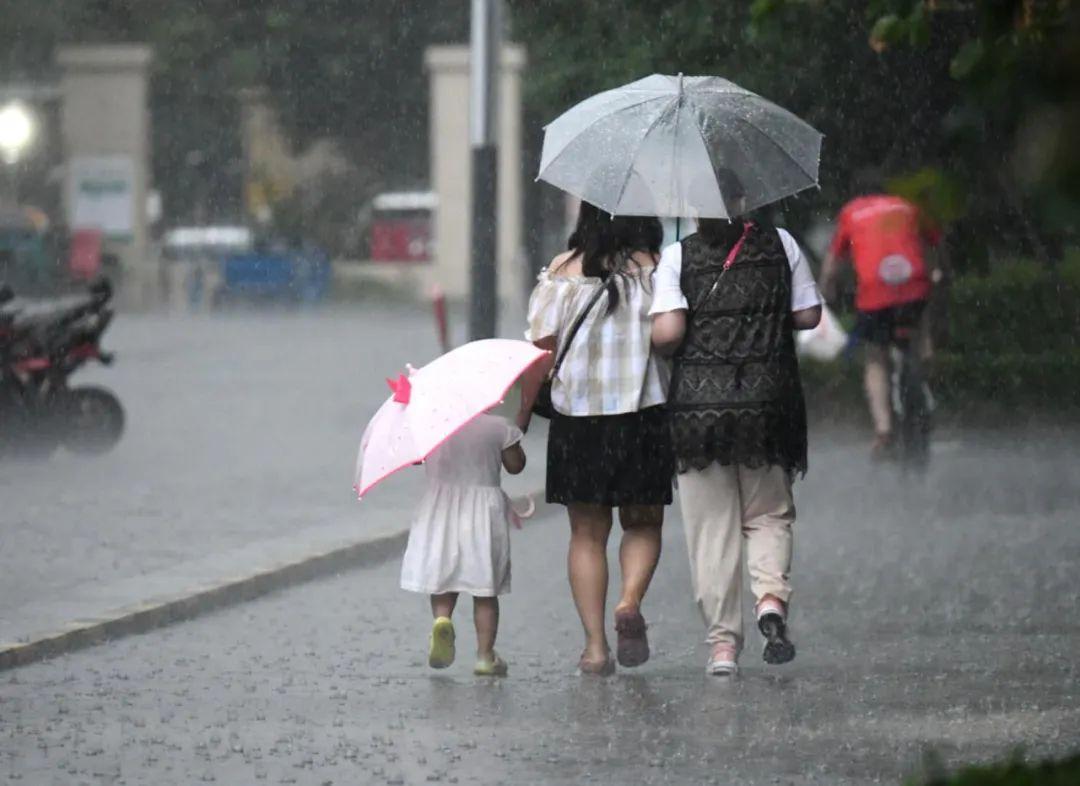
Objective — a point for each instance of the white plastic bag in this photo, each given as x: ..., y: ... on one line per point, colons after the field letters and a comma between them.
x: 826, y: 341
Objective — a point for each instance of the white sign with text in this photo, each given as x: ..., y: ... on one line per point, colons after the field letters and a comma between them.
x: 102, y: 195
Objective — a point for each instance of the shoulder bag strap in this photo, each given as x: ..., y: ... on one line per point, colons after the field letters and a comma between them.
x: 578, y: 322
x: 735, y: 249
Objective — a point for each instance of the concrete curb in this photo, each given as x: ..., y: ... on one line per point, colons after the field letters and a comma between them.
x: 161, y: 611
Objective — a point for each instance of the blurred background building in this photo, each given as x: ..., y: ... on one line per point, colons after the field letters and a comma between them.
x: 305, y: 125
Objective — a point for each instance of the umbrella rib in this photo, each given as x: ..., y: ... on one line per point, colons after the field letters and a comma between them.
x: 653, y: 94
x: 750, y: 96
x: 713, y: 163
x: 791, y: 158
x: 778, y: 146
x: 708, y: 152
x: 590, y: 125
x: 630, y: 169
x: 676, y: 190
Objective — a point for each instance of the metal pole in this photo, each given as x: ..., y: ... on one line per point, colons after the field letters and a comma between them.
x: 10, y: 192
x: 486, y: 46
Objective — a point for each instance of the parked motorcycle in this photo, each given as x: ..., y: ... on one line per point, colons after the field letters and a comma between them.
x: 42, y: 343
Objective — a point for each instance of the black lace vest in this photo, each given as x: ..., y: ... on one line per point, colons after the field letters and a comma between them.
x: 735, y: 393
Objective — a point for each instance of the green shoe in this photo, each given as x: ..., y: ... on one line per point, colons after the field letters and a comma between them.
x: 491, y: 667
x: 441, y: 653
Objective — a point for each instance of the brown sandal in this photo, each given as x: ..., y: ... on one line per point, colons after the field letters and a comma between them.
x: 596, y: 668
x: 633, y: 646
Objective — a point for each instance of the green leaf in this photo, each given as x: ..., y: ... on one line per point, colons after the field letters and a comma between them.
x: 763, y: 15
x: 968, y: 59
x: 761, y: 9
x: 941, y: 196
x: 887, y: 30
x: 918, y: 26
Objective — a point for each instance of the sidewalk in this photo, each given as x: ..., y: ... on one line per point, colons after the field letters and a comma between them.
x: 239, y: 452
x: 934, y: 618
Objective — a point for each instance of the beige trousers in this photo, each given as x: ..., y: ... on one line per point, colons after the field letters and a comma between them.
x: 721, y: 508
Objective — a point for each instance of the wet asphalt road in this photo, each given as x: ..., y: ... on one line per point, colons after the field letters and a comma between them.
x: 936, y: 617
x: 241, y: 426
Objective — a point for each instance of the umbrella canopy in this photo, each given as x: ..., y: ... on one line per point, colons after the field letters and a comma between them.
x: 679, y: 146
x: 431, y: 404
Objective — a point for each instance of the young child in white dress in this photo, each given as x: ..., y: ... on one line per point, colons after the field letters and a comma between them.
x: 460, y: 536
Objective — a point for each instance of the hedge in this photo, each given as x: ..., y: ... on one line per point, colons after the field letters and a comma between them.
x: 1013, y: 345
x: 1019, y: 308
x: 975, y: 384
x: 1014, y: 773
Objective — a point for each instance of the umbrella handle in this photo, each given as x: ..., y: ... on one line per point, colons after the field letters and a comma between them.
x: 517, y: 516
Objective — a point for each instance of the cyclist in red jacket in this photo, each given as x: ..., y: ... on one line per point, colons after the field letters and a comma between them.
x: 884, y: 236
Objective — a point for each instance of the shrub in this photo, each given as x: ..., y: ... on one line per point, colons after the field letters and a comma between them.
x: 973, y: 384
x: 1046, y: 381
x: 1021, y: 307
x: 1014, y: 343
x: 1014, y: 773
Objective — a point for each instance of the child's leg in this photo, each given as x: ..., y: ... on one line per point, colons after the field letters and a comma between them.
x: 486, y: 619
x: 443, y: 605
x: 441, y: 644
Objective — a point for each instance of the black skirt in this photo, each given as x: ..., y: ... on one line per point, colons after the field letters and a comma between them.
x: 610, y: 460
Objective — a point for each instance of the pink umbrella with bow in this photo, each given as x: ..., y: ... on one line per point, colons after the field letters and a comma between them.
x: 431, y: 404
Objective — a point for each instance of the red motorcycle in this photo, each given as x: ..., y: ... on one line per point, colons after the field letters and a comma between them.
x: 42, y: 343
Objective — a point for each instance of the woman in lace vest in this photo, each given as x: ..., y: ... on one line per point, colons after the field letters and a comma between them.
x: 609, y: 443
x: 728, y: 299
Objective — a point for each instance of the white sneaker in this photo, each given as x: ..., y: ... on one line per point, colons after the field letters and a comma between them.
x: 770, y: 606
x: 723, y: 661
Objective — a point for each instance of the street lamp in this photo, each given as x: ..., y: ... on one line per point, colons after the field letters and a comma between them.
x: 16, y: 131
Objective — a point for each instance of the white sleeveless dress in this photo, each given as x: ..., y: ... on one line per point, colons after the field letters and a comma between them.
x: 460, y: 536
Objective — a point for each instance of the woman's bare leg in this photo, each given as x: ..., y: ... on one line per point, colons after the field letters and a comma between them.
x: 639, y: 551
x: 587, y: 568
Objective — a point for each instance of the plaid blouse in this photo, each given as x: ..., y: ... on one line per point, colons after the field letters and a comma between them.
x: 610, y: 368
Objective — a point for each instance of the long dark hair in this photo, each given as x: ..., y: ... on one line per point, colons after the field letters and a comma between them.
x: 606, y: 245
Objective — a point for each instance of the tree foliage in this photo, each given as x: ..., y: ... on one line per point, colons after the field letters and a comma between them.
x: 964, y: 103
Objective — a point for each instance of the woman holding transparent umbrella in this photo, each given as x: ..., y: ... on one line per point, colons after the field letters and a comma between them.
x: 728, y: 301
x: 608, y: 444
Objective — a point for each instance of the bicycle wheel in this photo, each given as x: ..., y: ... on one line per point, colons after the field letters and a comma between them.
x: 915, y: 416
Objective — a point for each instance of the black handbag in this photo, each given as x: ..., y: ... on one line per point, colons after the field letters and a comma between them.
x: 542, y: 406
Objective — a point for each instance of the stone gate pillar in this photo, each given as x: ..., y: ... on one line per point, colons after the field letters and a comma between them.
x: 451, y: 176
x: 106, y: 137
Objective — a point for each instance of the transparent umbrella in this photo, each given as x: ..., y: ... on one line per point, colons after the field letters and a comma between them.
x: 696, y: 146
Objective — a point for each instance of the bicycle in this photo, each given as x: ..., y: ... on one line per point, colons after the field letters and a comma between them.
x: 912, y: 401
x: 910, y: 397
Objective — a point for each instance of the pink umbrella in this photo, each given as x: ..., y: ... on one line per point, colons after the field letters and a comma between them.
x: 431, y: 404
